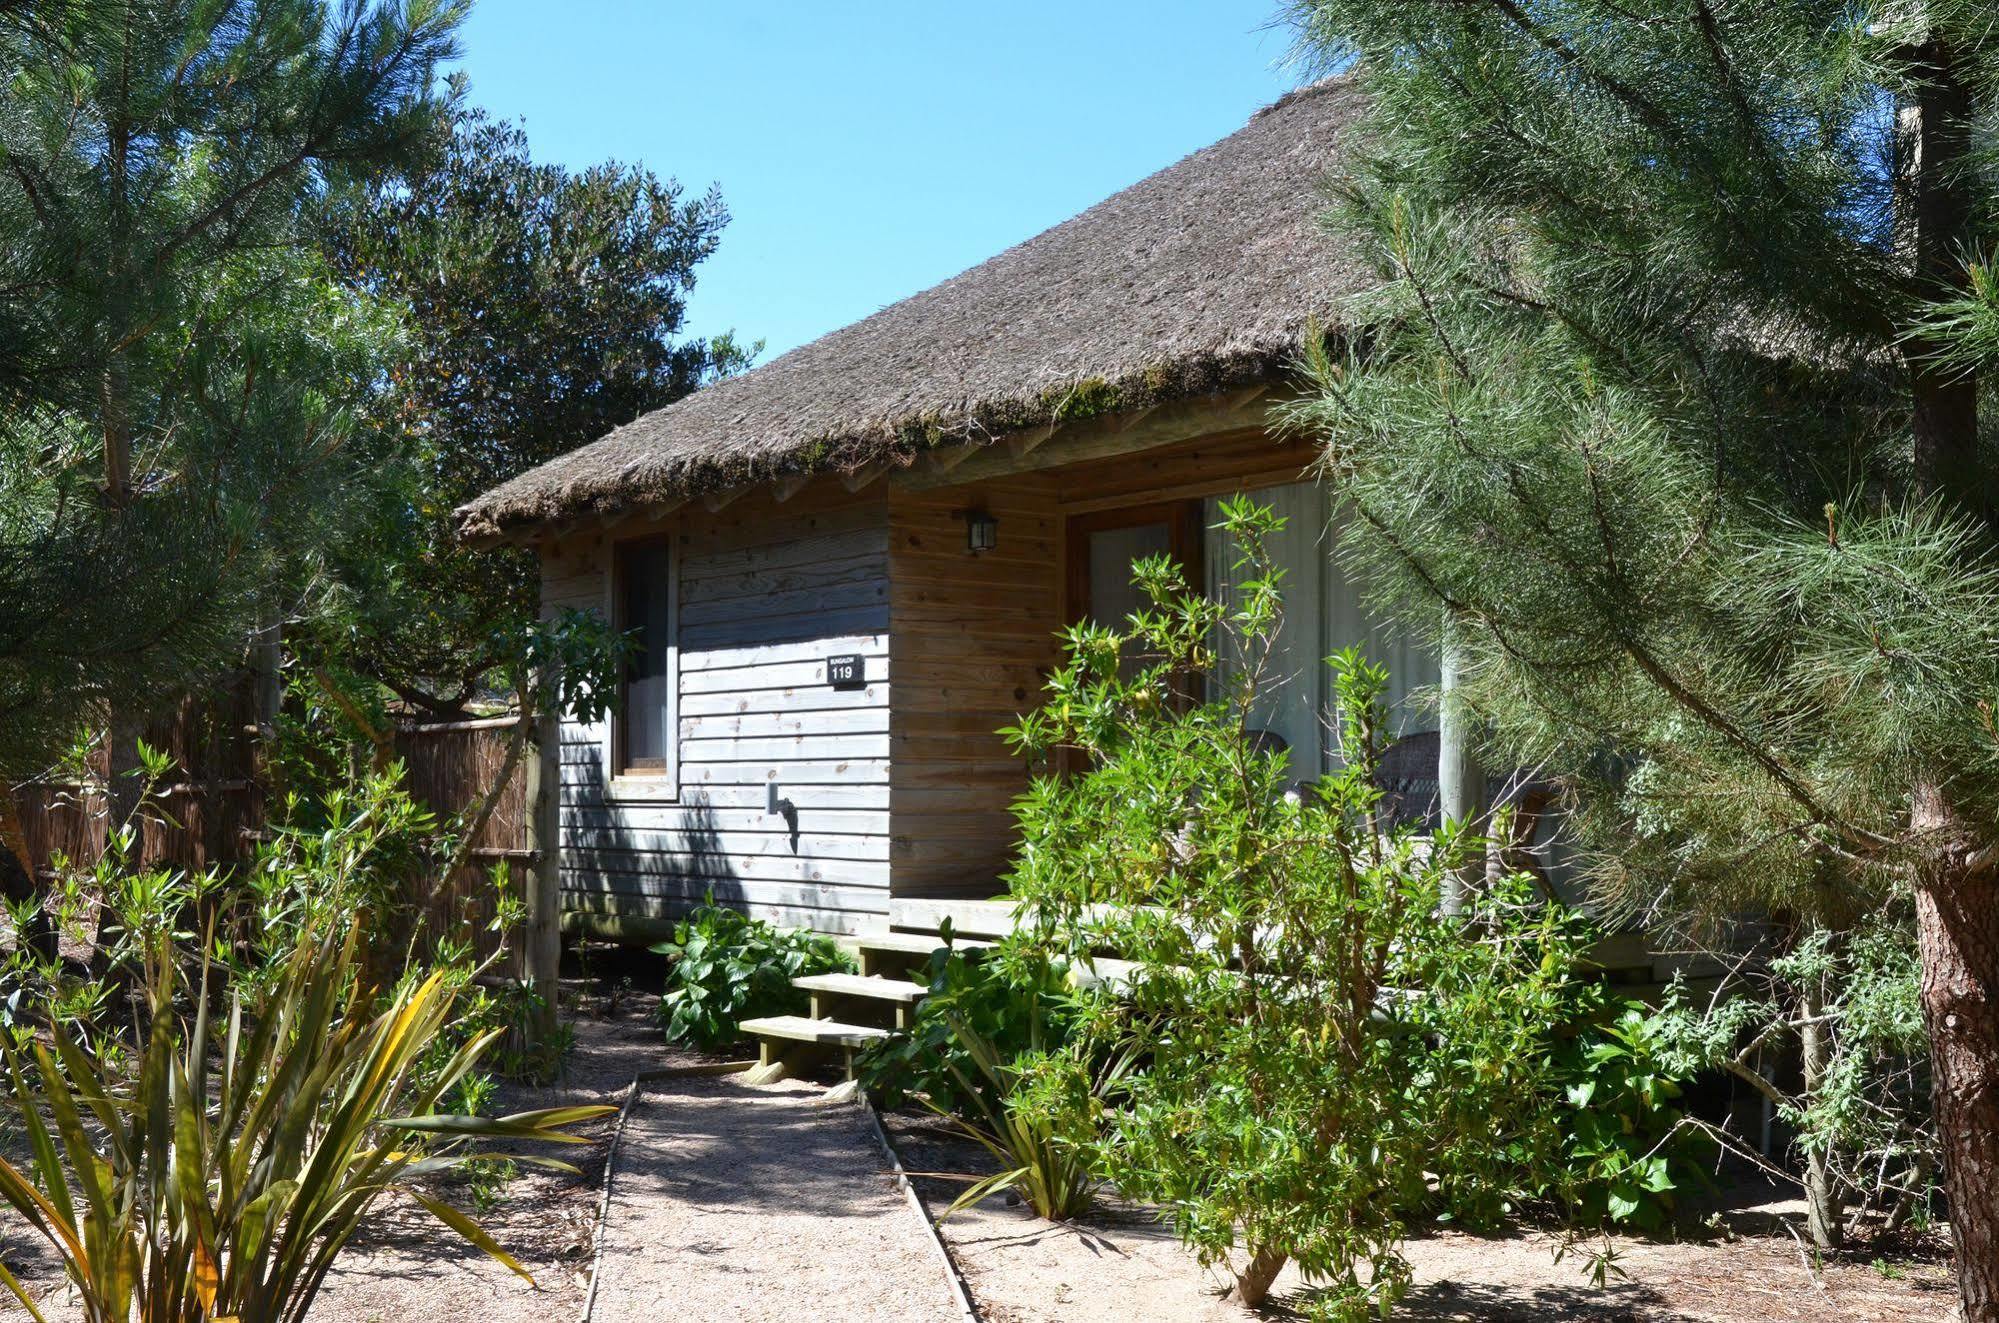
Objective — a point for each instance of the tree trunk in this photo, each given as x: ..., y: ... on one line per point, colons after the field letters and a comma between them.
x: 1825, y: 1216
x: 124, y: 791
x: 1253, y: 1281
x: 18, y: 882
x: 541, y: 950
x: 1957, y: 930
x: 1957, y: 891
x: 1461, y: 789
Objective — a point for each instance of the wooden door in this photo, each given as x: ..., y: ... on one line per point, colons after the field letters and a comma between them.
x: 1104, y: 543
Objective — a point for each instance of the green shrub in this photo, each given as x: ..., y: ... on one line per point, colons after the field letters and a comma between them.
x: 1848, y: 1004
x: 211, y: 1113
x: 1013, y: 1000
x: 1317, y: 1044
x: 216, y: 1164
x: 1627, y: 1149
x: 1037, y: 1114
x: 1622, y: 1149
x: 726, y: 967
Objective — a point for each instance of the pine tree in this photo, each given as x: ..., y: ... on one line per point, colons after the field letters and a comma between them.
x: 1675, y: 403
x: 174, y: 360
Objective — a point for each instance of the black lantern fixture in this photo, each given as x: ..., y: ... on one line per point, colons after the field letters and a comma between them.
x: 981, y: 531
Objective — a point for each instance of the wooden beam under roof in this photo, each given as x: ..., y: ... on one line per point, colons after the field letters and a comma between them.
x: 858, y: 478
x: 1105, y: 437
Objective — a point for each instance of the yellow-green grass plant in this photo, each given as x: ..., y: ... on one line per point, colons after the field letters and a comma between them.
x: 217, y: 1174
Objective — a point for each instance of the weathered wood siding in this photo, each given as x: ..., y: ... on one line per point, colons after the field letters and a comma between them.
x: 767, y: 590
x: 973, y: 638
x: 912, y: 798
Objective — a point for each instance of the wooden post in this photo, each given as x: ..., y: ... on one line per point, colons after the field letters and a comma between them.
x: 542, y: 956
x: 1460, y: 780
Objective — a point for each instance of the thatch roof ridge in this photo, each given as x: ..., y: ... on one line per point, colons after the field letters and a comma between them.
x: 1198, y: 278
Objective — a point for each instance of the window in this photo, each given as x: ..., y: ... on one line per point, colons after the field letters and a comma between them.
x: 644, y: 733
x: 1325, y: 609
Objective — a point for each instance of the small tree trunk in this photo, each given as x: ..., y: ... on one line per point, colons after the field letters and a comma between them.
x: 381, y: 740
x: 1460, y: 781
x: 1825, y: 1213
x: 124, y: 790
x: 1957, y: 931
x: 1957, y: 892
x: 541, y: 955
x: 1254, y: 1279
x: 18, y: 882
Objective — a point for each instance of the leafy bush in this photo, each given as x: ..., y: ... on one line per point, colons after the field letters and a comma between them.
x: 1626, y: 1150
x: 1849, y: 1004
x: 213, y: 1109
x: 1012, y: 999
x: 1316, y: 1042
x: 727, y: 967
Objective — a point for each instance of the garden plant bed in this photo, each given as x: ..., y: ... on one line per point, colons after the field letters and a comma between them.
x: 1121, y: 1264
x: 721, y: 1186
x: 404, y: 1267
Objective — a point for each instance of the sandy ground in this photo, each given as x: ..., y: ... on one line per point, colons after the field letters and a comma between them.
x: 735, y: 1202
x: 775, y: 1207
x: 1121, y: 1265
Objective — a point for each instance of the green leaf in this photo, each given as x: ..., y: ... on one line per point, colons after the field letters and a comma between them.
x: 472, y: 1232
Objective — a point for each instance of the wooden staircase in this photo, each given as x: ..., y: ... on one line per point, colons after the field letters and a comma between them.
x: 850, y: 1011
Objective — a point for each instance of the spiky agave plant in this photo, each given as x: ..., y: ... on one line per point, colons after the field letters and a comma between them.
x: 1040, y: 1160
x: 218, y: 1181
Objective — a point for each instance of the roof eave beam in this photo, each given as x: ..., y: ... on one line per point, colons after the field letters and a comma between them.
x: 1104, y: 436
x: 943, y: 459
x: 1022, y: 444
x: 1245, y: 397
x: 863, y: 476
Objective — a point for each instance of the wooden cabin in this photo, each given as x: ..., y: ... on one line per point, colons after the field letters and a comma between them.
x: 847, y: 567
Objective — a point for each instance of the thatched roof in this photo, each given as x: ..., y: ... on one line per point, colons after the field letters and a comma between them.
x: 1201, y: 278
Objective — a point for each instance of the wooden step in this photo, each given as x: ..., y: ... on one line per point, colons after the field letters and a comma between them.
x: 915, y: 943
x: 789, y: 1045
x: 894, y: 952
x: 820, y: 1033
x: 1111, y: 973
x: 971, y: 918
x: 862, y: 996
x: 867, y: 986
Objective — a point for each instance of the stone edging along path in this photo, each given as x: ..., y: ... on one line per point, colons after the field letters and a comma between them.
x: 725, y: 1200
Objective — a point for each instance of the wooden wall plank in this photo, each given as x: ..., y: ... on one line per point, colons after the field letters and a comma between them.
x: 972, y: 639
x: 766, y: 594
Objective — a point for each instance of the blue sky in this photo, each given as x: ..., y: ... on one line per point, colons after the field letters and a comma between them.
x: 870, y: 148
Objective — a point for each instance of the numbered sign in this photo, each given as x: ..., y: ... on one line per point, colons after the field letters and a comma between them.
x: 847, y: 671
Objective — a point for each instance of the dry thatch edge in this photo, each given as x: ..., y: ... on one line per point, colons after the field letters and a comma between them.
x: 1200, y: 279
x: 669, y: 480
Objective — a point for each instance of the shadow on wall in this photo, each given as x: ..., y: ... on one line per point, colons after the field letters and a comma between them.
x: 668, y: 863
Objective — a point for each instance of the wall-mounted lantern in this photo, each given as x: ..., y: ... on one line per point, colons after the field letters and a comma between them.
x: 981, y: 531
